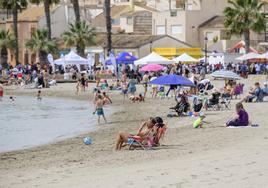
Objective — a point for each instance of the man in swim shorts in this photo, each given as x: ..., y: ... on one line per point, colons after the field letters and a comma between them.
x: 99, y: 109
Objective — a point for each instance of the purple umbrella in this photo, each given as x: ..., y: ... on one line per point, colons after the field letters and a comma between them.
x: 172, y: 79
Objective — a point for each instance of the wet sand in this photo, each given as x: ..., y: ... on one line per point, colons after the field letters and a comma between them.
x: 214, y: 156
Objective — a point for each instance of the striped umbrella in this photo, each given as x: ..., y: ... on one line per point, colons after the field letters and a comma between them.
x: 225, y: 74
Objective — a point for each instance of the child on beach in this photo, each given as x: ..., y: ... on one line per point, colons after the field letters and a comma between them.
x: 11, y: 98
x: 199, y: 122
x: 242, y: 118
x: 125, y: 90
x: 99, y: 109
x: 106, y: 98
x: 77, y: 86
x: 39, y: 95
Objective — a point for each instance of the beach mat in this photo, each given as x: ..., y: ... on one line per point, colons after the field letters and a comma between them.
x: 250, y: 126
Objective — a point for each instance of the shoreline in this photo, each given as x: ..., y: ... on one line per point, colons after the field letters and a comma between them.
x: 51, y: 95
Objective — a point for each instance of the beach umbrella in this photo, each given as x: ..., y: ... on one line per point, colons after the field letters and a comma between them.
x: 263, y: 56
x: 172, y: 79
x: 248, y: 56
x: 185, y: 58
x: 225, y: 74
x: 152, y: 68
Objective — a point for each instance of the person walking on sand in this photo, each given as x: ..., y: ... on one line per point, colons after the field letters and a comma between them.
x: 145, y: 81
x: 99, y: 109
x: 77, y: 86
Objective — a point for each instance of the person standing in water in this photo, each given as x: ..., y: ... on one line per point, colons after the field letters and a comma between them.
x: 39, y: 95
x: 1, y: 92
x: 99, y: 109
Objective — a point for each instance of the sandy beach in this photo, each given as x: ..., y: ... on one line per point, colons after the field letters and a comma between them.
x: 214, y: 156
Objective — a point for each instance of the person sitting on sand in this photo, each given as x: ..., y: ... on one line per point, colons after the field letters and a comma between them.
x: 265, y: 89
x: 139, y: 98
x: 99, y: 109
x: 242, y: 118
x: 145, y: 129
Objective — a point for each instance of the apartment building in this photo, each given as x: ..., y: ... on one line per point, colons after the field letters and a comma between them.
x: 182, y: 18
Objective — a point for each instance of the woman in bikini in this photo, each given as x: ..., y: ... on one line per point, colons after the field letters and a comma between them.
x: 145, y: 129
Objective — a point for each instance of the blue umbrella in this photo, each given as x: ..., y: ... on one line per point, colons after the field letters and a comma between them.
x: 172, y: 79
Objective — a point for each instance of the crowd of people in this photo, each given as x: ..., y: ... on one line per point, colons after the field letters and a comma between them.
x: 205, y: 95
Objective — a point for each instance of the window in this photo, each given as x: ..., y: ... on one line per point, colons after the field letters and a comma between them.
x: 115, y: 21
x: 210, y: 36
x: 129, y: 21
x: 190, y: 7
x: 173, y: 13
x: 160, y: 30
x: 176, y: 29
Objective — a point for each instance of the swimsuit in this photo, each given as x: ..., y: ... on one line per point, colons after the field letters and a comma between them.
x: 100, y: 111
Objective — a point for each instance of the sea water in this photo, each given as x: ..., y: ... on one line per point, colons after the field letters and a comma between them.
x: 27, y: 122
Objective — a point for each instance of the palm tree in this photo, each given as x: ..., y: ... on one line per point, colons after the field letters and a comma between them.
x: 79, y: 35
x: 108, y: 25
x: 40, y: 45
x: 47, y: 4
x: 76, y: 10
x: 7, y: 42
x: 15, y: 6
x: 244, y: 16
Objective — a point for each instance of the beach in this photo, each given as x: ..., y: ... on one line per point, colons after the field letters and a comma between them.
x: 213, y: 156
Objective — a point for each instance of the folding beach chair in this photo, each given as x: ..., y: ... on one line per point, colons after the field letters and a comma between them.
x: 150, y: 142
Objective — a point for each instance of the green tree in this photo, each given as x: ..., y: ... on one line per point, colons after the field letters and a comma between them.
x: 244, y: 16
x: 76, y: 10
x: 7, y: 42
x: 40, y: 45
x: 47, y: 4
x: 79, y: 35
x: 15, y: 6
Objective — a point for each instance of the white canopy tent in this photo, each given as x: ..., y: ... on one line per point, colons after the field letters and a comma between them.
x: 71, y: 59
x: 153, y: 58
x: 248, y: 56
x: 185, y: 58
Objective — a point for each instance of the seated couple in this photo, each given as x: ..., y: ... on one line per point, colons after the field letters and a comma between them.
x: 151, y: 130
x: 255, y: 92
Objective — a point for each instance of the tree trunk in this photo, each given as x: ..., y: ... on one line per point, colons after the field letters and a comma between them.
x: 3, y: 59
x: 43, y: 58
x: 247, y: 40
x: 76, y: 10
x: 47, y: 13
x: 81, y: 50
x: 108, y: 25
x: 15, y: 27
